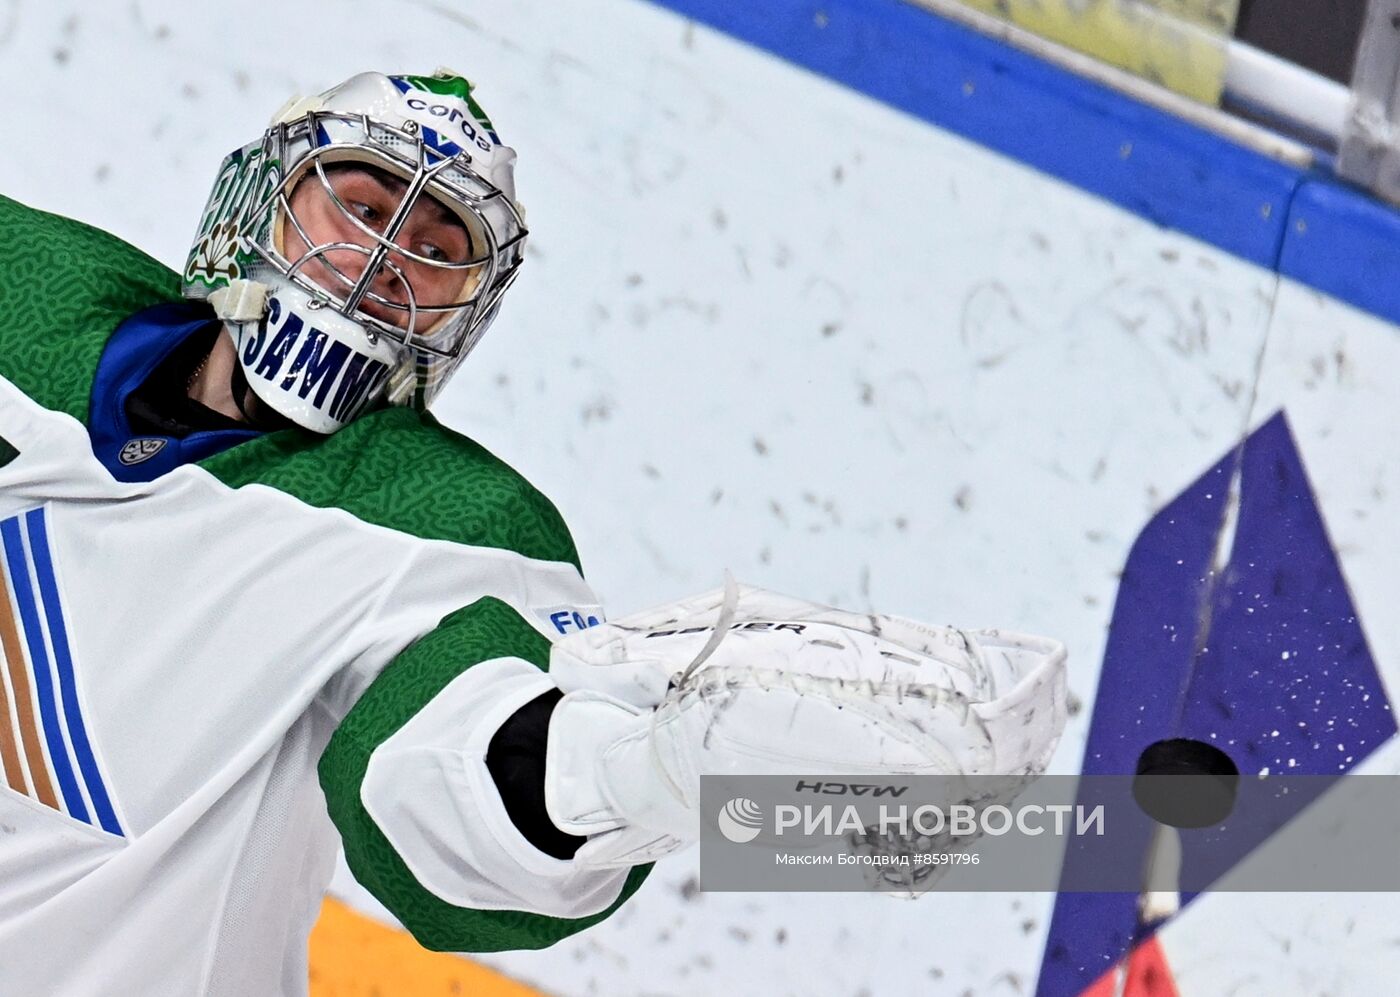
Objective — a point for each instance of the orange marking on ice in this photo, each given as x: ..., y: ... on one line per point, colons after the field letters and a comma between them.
x: 1148, y: 975
x: 356, y: 956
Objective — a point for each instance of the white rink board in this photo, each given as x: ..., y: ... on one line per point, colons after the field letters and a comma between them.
x: 770, y: 325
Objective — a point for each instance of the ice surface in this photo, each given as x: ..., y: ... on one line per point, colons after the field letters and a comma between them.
x: 766, y: 324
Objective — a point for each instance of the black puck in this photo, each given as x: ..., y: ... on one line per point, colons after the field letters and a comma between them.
x: 1185, y: 783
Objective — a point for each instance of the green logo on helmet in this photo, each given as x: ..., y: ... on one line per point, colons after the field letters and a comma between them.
x: 238, y: 213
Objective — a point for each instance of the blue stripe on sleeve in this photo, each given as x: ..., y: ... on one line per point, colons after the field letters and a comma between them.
x: 43, y: 681
x: 68, y: 688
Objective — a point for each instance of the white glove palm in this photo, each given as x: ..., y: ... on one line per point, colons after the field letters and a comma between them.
x: 745, y: 681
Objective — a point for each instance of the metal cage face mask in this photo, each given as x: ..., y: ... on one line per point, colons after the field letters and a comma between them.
x: 280, y: 217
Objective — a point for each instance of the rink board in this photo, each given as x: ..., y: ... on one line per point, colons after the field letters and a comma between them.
x: 773, y: 324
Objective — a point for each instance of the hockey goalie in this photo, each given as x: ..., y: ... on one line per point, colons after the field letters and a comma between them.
x: 258, y: 604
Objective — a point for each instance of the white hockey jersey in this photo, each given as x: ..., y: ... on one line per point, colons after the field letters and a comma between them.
x: 176, y: 656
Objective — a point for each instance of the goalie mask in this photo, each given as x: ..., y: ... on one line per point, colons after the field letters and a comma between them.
x: 360, y: 248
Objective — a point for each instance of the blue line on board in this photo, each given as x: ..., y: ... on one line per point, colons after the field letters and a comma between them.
x: 1143, y: 159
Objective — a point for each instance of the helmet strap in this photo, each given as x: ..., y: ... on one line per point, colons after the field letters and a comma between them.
x: 240, y: 301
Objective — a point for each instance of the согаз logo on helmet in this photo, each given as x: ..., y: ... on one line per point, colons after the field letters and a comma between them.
x: 454, y: 116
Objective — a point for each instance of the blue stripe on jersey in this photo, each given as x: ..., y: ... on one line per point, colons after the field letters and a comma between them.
x: 37, y: 527
x: 39, y: 660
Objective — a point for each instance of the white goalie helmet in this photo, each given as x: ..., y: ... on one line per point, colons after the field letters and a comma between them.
x: 336, y: 301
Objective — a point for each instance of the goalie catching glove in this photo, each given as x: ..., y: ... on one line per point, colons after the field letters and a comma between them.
x: 744, y: 681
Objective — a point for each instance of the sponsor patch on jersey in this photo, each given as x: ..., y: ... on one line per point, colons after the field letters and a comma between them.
x: 45, y: 751
x: 569, y: 619
x: 141, y: 449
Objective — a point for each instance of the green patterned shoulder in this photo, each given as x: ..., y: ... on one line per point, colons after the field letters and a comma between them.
x: 403, y: 469
x: 64, y: 288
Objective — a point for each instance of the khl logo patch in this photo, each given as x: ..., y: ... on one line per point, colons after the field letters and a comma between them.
x: 143, y: 448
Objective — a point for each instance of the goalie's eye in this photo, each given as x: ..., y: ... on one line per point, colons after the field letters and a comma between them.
x: 367, y: 213
x: 431, y: 252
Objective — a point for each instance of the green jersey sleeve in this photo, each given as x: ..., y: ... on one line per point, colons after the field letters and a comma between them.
x: 486, y: 630
x: 64, y: 288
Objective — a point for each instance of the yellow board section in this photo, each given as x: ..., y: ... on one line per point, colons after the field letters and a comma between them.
x: 1179, y: 44
x: 355, y: 956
